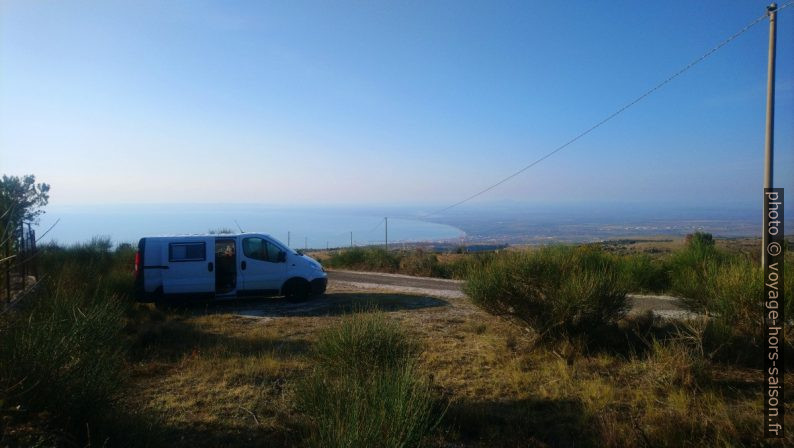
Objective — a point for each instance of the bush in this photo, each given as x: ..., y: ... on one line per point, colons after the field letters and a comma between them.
x: 461, y: 267
x: 423, y: 264
x: 79, y: 267
x: 733, y: 296
x: 368, y: 259
x: 699, y: 239
x: 62, y: 349
x: 366, y: 389
x: 62, y: 353
x: 729, y: 288
x: 390, y: 408
x: 412, y: 262
x: 366, y: 342
x: 641, y: 273
x: 556, y: 289
x: 692, y: 267
x: 346, y: 258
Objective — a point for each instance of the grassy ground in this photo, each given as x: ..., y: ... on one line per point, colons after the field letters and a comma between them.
x: 223, y: 379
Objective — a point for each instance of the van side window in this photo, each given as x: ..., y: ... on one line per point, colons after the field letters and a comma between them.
x: 260, y: 249
x: 187, y: 252
x: 255, y: 248
x: 272, y: 252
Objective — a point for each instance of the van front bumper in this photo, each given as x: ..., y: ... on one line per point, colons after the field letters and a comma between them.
x: 318, y: 285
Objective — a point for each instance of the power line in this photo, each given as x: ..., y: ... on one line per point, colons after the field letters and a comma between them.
x: 785, y: 5
x: 616, y: 113
x: 380, y: 223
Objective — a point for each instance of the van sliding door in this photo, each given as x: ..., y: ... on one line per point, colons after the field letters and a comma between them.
x: 188, y: 268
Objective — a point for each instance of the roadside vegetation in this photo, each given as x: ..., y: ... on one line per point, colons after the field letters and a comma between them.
x: 63, y: 350
x: 416, y: 262
x: 557, y: 290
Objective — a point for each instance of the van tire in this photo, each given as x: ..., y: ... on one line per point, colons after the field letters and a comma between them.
x: 297, y: 289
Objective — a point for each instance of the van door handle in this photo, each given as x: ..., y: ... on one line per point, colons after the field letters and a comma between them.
x: 209, y: 266
x: 242, y: 265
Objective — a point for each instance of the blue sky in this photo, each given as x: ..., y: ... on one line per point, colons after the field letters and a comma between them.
x: 410, y: 102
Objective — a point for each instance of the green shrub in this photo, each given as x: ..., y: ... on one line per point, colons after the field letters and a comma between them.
x: 691, y: 268
x: 411, y: 262
x: 423, y: 264
x: 556, y: 289
x: 366, y: 389
x: 729, y: 288
x: 364, y: 258
x: 391, y: 408
x: 62, y: 348
x: 62, y: 353
x: 79, y: 266
x: 736, y: 292
x: 700, y: 240
x: 461, y: 267
x: 641, y: 273
x: 346, y: 258
x: 366, y: 341
x: 379, y: 259
x: 734, y: 296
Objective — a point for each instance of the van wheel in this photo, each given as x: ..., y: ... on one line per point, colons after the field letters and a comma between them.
x: 297, y: 289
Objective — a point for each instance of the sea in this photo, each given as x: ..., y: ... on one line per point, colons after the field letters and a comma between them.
x: 325, y: 226
x: 301, y: 227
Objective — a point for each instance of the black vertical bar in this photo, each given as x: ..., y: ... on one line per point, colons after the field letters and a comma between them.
x: 774, y: 320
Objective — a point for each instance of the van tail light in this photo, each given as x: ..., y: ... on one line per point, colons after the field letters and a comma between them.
x: 137, y: 263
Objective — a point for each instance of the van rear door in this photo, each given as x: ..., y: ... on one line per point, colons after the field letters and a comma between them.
x: 190, y: 267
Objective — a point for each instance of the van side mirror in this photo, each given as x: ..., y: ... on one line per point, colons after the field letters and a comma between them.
x: 282, y: 257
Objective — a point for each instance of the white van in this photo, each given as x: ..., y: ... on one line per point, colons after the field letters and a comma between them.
x: 220, y: 266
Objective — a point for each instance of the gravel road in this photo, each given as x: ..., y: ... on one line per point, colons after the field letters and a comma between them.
x: 350, y: 290
x: 662, y: 305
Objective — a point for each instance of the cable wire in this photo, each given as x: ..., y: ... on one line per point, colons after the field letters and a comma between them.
x: 617, y: 112
x: 380, y: 223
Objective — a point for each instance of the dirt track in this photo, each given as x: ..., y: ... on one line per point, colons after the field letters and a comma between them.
x: 666, y: 306
x: 397, y: 283
x: 349, y: 290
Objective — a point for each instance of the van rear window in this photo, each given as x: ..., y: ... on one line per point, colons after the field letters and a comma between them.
x: 187, y: 252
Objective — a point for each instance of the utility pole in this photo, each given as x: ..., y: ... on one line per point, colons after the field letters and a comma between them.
x: 327, y: 246
x: 288, y: 235
x: 351, y: 239
x: 770, y: 121
x: 386, y: 219
x: 305, y: 243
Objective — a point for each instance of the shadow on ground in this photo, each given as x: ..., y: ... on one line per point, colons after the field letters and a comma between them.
x: 529, y: 422
x: 175, y: 338
x: 330, y: 304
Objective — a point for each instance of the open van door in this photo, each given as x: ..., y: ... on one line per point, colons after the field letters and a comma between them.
x: 225, y: 265
x: 190, y: 268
